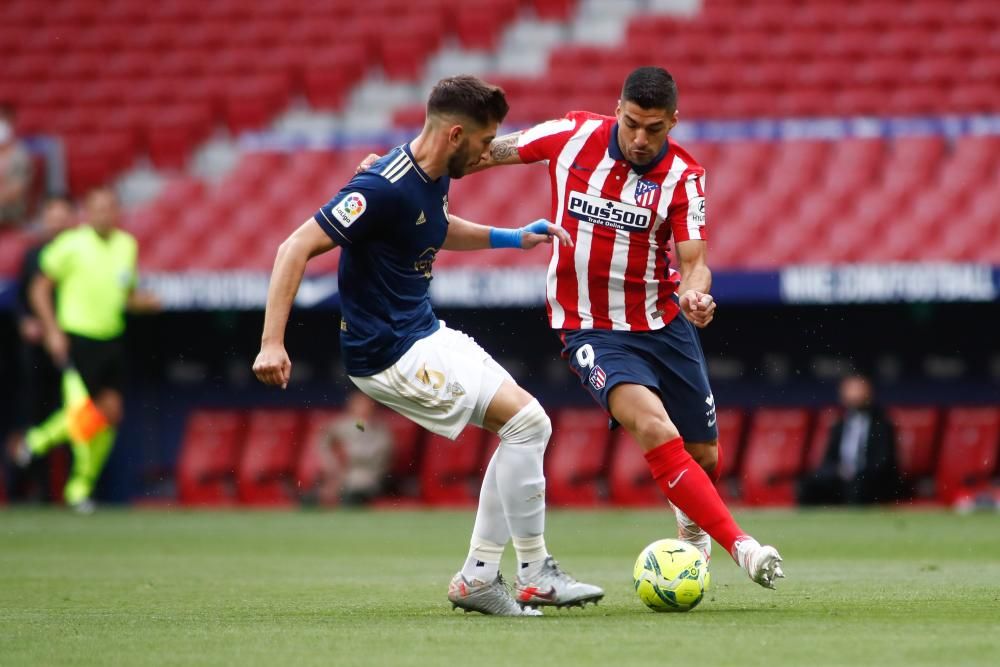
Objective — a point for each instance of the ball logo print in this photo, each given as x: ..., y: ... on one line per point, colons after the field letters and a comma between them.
x: 350, y: 208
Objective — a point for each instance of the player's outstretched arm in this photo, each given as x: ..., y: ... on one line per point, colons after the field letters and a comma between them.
x: 272, y: 365
x: 696, y: 281
x: 466, y: 235
x: 503, y: 150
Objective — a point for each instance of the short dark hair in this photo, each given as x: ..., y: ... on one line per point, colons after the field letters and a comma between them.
x: 468, y: 96
x: 651, y: 88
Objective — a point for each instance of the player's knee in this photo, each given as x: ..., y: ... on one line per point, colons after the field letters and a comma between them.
x: 530, y: 426
x: 705, y: 454
x: 652, y: 430
x: 110, y: 405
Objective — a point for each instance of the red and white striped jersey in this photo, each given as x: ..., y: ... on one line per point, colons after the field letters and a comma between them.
x: 617, y: 275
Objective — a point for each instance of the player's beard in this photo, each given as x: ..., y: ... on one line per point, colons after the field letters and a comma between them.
x: 459, y: 161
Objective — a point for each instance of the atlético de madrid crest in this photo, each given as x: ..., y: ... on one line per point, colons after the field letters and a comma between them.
x: 645, y: 191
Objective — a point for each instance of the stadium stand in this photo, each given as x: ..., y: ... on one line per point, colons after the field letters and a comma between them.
x: 576, y: 458
x: 206, y: 468
x: 268, y: 457
x: 266, y: 473
x: 181, y: 69
x: 450, y: 471
x: 774, y: 454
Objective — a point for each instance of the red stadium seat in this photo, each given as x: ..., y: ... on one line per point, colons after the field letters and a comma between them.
x: 820, y: 437
x: 407, y: 439
x: 968, y: 451
x: 267, y: 466
x: 629, y: 480
x: 210, y: 452
x: 731, y: 423
x: 916, y: 439
x: 774, y: 455
x: 450, y: 470
x: 576, y: 457
x: 309, y: 468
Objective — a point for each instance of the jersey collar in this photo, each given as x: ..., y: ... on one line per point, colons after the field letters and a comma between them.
x: 616, y: 153
x: 413, y: 161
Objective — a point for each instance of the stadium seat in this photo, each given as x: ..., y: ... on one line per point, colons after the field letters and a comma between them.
x: 816, y: 450
x: 731, y: 423
x: 916, y: 442
x: 309, y: 467
x: 968, y: 455
x: 576, y: 458
x: 450, y: 470
x: 630, y: 482
x: 407, y: 441
x: 210, y: 453
x: 265, y: 476
x: 774, y: 455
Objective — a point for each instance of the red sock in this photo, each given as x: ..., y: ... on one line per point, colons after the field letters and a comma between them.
x: 717, y: 471
x: 688, y: 487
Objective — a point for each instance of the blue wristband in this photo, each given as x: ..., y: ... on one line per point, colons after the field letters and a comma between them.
x: 505, y: 238
x: 511, y: 238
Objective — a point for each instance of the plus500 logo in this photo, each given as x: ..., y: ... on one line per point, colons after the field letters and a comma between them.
x: 600, y: 211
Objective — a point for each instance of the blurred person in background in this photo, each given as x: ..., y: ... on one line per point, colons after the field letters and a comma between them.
x: 859, y: 466
x: 92, y: 272
x: 15, y: 173
x: 39, y: 381
x: 355, y: 451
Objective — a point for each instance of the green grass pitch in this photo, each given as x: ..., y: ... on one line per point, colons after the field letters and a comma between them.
x: 368, y: 588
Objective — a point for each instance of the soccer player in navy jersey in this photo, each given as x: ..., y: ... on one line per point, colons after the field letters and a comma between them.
x: 390, y: 222
x: 623, y: 189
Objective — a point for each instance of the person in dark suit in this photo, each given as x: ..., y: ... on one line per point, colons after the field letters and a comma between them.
x: 859, y: 466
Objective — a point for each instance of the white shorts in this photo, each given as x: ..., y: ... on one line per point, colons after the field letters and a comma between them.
x: 443, y: 382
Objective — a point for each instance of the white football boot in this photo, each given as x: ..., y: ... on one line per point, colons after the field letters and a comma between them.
x: 762, y: 563
x: 492, y: 598
x: 553, y: 587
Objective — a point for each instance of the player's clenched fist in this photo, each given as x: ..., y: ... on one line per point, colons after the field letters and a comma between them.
x: 698, y: 307
x: 273, y: 366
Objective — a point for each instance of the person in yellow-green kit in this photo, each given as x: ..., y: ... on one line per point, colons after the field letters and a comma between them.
x: 92, y: 272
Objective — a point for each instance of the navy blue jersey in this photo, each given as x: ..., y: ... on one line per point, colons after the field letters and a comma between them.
x: 390, y: 222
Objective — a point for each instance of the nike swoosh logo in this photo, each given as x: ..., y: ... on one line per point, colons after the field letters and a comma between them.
x: 677, y: 479
x: 580, y: 168
x: 533, y: 592
x: 711, y: 422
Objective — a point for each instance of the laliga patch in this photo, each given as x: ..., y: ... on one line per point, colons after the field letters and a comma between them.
x: 350, y: 208
x: 598, y: 378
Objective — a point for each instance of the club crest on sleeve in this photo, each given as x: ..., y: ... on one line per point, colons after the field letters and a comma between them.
x: 350, y: 208
x: 645, y: 191
x: 598, y: 378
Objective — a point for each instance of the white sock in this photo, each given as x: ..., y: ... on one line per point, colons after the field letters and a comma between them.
x: 534, y: 554
x: 490, y: 533
x: 689, y: 531
x: 521, y: 481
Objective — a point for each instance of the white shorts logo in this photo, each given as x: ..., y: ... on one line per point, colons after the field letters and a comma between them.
x: 350, y: 208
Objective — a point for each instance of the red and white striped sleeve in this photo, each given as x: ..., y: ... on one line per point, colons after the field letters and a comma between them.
x: 687, y: 207
x: 544, y: 141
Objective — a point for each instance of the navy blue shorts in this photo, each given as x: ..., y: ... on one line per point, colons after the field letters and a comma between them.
x: 669, y: 361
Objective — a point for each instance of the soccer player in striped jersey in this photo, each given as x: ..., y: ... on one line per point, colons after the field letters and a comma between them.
x: 390, y: 222
x: 622, y: 188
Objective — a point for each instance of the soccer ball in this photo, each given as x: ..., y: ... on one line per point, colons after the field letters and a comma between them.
x: 669, y: 575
